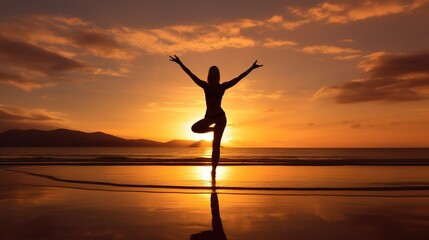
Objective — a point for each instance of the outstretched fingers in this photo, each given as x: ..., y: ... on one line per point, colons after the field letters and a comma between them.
x: 256, y: 65
x: 175, y: 59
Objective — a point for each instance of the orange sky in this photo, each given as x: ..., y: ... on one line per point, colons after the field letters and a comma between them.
x: 336, y: 74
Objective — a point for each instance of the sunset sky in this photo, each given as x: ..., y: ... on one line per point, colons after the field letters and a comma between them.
x: 336, y: 73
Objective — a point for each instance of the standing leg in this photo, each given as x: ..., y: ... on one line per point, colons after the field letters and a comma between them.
x: 219, y: 127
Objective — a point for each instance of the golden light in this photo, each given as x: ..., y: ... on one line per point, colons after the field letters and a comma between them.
x: 188, y: 134
x: 227, y: 136
x: 185, y: 132
x: 203, y: 174
x: 207, y: 153
x: 202, y: 136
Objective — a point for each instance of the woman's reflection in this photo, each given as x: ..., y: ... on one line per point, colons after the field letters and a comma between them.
x: 217, y: 233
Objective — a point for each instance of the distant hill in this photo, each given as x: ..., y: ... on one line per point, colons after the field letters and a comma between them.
x: 188, y: 143
x: 179, y: 143
x: 201, y: 143
x: 72, y: 138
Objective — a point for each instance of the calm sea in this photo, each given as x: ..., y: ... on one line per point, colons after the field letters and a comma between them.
x: 250, y: 168
x: 226, y: 153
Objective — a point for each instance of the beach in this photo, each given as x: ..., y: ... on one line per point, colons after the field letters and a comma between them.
x: 164, y: 201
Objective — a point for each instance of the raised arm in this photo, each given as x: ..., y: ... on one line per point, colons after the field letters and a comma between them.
x: 241, y: 76
x: 194, y: 78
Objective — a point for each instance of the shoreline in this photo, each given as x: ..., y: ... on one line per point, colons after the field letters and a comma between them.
x: 127, y: 161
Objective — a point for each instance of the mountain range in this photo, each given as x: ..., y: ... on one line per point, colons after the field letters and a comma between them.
x: 73, y: 138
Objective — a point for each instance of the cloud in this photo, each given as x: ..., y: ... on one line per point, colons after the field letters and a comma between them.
x: 387, y: 77
x: 340, y: 53
x: 355, y: 11
x: 101, y: 44
x: 348, y: 57
x: 29, y: 67
x: 41, y: 51
x: 124, y: 43
x: 30, y: 56
x: 12, y: 117
x: 73, y: 34
x: 192, y: 38
x: 292, y: 25
x: 278, y: 22
x: 325, y: 49
x: 271, y: 43
x: 22, y: 79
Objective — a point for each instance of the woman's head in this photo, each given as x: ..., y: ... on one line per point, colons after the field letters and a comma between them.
x: 214, y: 75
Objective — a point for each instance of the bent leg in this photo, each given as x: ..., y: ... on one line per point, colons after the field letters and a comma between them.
x: 219, y: 127
x: 202, y: 126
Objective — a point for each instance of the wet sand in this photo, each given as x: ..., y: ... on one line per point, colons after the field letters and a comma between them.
x: 33, y: 207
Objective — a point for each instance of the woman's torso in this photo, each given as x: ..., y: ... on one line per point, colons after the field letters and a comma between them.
x: 213, y: 95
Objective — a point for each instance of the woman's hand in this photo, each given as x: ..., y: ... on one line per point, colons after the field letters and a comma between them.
x: 175, y: 59
x: 255, y: 65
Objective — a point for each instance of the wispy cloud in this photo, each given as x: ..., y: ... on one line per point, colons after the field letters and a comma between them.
x: 67, y: 33
x: 325, y: 49
x: 101, y: 44
x: 344, y: 12
x: 197, y: 37
x: 339, y: 53
x: 169, y: 40
x: 30, y: 56
x: 29, y: 67
x: 387, y: 77
x: 348, y: 57
x: 12, y: 117
x: 42, y: 51
x: 272, y: 43
x: 74, y: 35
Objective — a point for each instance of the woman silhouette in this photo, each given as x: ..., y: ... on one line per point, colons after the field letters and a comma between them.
x: 213, y: 91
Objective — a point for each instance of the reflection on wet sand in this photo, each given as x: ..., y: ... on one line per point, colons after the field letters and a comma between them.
x: 217, y: 233
x: 34, y: 207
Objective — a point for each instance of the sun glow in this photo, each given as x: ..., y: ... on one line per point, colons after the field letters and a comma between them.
x: 202, y: 136
x: 208, y: 136
x: 186, y: 132
x: 203, y: 174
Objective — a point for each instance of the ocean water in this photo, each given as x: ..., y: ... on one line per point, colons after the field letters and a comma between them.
x: 261, y: 156
x: 168, y: 194
x: 240, y: 169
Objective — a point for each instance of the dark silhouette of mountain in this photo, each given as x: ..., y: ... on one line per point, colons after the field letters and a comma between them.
x: 72, y: 138
x: 187, y: 143
x: 179, y: 143
x: 201, y: 143
x: 144, y: 143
